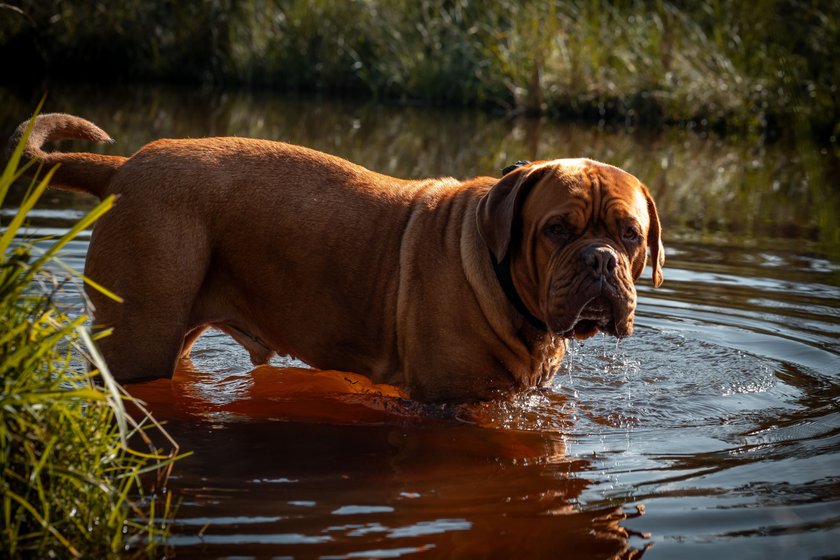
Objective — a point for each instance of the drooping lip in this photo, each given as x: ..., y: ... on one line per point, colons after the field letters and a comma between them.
x: 595, y: 316
x: 581, y: 305
x: 599, y: 307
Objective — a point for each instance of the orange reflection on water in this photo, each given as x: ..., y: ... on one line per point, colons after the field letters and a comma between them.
x: 268, y: 392
x: 354, y: 467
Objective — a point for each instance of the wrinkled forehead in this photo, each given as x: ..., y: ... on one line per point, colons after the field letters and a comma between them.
x: 587, y: 187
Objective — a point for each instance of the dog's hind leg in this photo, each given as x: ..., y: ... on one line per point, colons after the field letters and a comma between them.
x: 158, y: 281
x: 146, y: 341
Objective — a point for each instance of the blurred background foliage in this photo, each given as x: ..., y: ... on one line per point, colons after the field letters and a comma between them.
x: 753, y: 68
x: 707, y: 187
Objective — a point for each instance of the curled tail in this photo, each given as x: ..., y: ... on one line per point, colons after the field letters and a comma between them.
x: 79, y: 171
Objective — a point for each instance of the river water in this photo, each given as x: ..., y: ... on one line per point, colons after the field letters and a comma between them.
x: 713, y: 431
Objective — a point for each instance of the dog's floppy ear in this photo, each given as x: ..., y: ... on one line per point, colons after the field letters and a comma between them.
x: 499, y: 209
x: 654, y: 240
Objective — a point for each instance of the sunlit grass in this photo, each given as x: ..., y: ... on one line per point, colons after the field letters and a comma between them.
x: 81, y: 477
x: 747, y: 67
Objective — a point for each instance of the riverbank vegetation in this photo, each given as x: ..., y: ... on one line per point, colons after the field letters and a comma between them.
x: 741, y: 67
x: 79, y: 473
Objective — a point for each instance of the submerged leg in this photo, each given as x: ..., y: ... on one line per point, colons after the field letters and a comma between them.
x: 259, y: 352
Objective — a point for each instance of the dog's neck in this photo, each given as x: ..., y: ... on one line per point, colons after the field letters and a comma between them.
x: 545, y: 347
x: 503, y: 276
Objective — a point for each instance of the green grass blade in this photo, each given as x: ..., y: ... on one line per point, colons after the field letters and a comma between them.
x: 95, y: 285
x: 9, y: 172
x: 82, y: 224
x: 63, y: 438
x: 110, y: 384
x: 52, y: 530
x: 28, y: 203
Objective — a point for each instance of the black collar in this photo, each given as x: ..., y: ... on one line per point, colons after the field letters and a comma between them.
x: 502, y: 270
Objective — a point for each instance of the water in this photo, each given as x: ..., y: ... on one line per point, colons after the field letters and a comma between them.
x: 713, y: 431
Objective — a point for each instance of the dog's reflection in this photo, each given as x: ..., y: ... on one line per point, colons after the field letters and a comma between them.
x: 345, y: 441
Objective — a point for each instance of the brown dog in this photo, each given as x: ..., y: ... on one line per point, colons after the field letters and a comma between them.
x: 453, y: 290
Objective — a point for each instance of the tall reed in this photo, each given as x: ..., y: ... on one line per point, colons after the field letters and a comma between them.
x: 81, y: 477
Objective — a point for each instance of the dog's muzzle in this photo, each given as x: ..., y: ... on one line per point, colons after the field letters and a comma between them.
x: 602, y: 297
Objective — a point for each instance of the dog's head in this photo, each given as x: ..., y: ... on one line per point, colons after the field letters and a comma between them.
x: 575, y: 233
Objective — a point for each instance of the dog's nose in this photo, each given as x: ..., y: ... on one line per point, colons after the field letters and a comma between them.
x: 601, y: 260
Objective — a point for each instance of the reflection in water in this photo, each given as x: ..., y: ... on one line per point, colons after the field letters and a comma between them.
x: 720, y: 415
x: 703, y: 185
x: 341, y: 465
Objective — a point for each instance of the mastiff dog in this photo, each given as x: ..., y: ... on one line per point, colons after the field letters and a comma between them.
x: 454, y: 290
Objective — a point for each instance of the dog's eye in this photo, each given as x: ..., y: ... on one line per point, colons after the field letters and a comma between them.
x: 631, y: 235
x: 558, y: 230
